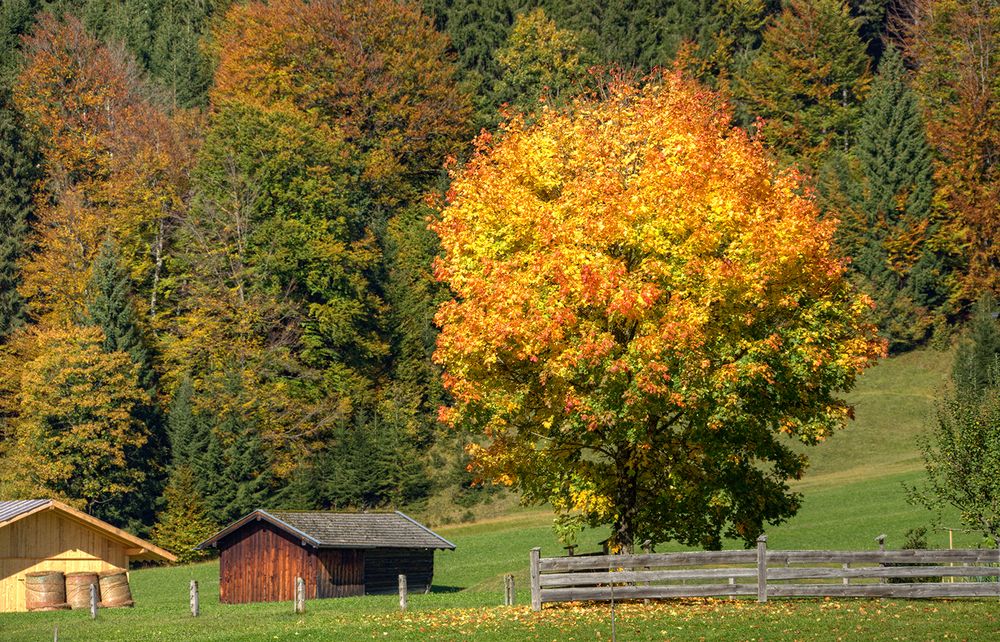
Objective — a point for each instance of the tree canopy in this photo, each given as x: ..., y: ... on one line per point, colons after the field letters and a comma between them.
x: 643, y: 307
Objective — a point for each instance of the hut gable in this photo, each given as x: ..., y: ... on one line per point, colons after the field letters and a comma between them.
x: 46, y: 535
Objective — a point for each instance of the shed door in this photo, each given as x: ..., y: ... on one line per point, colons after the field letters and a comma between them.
x: 341, y: 572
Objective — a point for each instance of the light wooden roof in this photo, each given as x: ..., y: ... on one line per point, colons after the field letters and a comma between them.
x: 325, y: 529
x: 138, y: 548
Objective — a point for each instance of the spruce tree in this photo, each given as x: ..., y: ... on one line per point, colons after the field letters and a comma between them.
x: 896, y: 265
x: 892, y: 148
x: 979, y: 351
x: 188, y: 432
x: 18, y: 173
x: 185, y: 521
x: 176, y: 58
x: 247, y: 471
x: 112, y: 310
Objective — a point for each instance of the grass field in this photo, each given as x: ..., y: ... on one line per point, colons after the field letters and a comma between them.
x: 853, y: 492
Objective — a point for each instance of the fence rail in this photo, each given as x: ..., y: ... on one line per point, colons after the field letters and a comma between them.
x: 765, y: 573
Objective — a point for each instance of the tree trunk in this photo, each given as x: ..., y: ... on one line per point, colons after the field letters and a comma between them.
x: 626, y: 504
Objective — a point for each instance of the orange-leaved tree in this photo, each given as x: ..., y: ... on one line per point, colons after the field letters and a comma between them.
x: 645, y: 309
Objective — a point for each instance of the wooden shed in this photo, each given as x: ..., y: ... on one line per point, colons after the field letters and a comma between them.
x: 46, y: 535
x: 337, y: 554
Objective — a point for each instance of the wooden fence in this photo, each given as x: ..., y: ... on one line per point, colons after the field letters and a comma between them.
x: 763, y: 573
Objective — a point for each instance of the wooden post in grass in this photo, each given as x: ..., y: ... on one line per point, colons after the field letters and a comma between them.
x: 195, y: 611
x: 402, y: 593
x: 300, y: 595
x: 536, y: 589
x: 762, y: 568
x: 508, y: 590
x: 93, y: 601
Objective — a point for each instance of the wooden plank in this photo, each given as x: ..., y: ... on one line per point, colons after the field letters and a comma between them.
x: 957, y: 556
x: 589, y: 578
x: 603, y: 593
x: 597, y: 562
x: 774, y: 558
x: 918, y: 590
x: 882, y: 571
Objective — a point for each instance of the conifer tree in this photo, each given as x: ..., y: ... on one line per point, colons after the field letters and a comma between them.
x: 979, y: 351
x: 185, y: 522
x: 18, y: 173
x: 176, y: 58
x: 247, y: 471
x: 111, y: 309
x: 188, y: 439
x: 477, y: 29
x: 894, y: 261
x: 808, y: 80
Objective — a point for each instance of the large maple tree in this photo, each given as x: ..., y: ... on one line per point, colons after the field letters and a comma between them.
x: 644, y: 309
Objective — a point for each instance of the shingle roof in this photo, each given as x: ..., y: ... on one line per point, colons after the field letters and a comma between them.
x: 345, y: 530
x: 11, y: 509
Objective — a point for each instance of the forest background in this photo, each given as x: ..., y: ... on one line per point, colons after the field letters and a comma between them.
x: 216, y: 281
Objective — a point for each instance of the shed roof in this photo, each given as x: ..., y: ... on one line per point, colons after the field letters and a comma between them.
x: 324, y: 529
x: 139, y: 549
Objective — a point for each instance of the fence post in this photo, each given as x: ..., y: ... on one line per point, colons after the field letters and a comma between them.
x: 93, y: 601
x: 536, y: 589
x: 300, y: 595
x: 762, y: 568
x: 402, y: 593
x: 508, y: 590
x: 194, y: 599
x: 881, y: 549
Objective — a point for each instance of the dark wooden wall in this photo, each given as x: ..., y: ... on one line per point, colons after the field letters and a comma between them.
x: 259, y: 563
x: 341, y: 572
x: 383, y: 566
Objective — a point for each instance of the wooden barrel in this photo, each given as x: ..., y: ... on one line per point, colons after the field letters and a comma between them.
x: 78, y: 589
x: 45, y: 591
x: 114, y: 589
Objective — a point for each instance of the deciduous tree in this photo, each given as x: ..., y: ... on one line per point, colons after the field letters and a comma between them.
x: 953, y: 46
x: 808, y: 80
x: 644, y: 308
x: 78, y: 432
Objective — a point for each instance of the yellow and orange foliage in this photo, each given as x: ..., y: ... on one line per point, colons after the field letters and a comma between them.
x: 115, y: 165
x: 78, y: 425
x: 643, y: 305
x: 375, y: 72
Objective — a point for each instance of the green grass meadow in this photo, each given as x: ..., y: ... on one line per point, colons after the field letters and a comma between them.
x: 853, y: 492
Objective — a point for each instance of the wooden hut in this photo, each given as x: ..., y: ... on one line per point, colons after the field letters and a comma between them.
x: 46, y: 535
x: 337, y: 554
